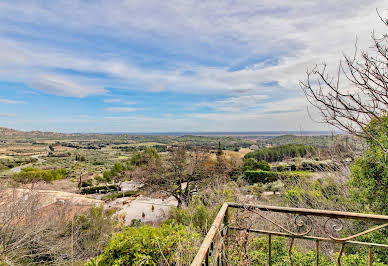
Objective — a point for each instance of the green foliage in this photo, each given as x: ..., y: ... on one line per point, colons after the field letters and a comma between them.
x: 369, y: 178
x: 14, y: 162
x: 258, y: 255
x: 142, y: 158
x: 302, y: 192
x: 253, y: 164
x: 98, y: 189
x: 318, y: 141
x: 279, y: 153
x: 256, y: 189
x: 268, y: 176
x: 92, y: 231
x: 369, y: 172
x: 147, y: 245
x: 196, y: 215
x: 30, y: 174
x: 260, y: 176
x: 117, y: 195
x: 87, y: 183
x: 317, y: 166
x: 274, y: 187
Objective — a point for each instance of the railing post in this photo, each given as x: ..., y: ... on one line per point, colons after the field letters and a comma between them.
x: 269, y: 249
x: 207, y: 258
x: 370, y: 256
x: 317, y: 252
x: 224, y: 253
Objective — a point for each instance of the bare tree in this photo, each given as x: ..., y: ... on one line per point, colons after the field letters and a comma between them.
x: 182, y: 173
x: 357, y: 94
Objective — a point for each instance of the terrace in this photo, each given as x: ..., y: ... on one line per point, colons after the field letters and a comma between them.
x: 325, y: 229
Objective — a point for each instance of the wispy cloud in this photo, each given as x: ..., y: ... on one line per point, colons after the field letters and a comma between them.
x: 116, y: 100
x: 122, y: 109
x: 226, y: 50
x: 62, y: 86
x: 112, y: 100
x: 8, y: 101
x: 7, y: 114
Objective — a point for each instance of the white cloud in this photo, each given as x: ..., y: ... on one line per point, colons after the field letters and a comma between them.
x: 112, y: 100
x: 229, y: 34
x: 116, y: 100
x: 8, y: 101
x: 122, y: 109
x: 62, y: 86
x: 236, y: 104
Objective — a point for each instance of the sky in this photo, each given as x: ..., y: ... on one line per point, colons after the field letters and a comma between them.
x: 171, y: 66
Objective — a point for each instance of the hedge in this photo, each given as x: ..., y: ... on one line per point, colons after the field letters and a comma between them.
x: 264, y: 177
x: 260, y: 176
x: 97, y: 189
x: 120, y: 195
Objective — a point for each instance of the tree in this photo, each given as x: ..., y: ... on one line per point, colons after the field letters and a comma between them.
x: 369, y: 173
x: 357, y: 94
x: 182, y: 173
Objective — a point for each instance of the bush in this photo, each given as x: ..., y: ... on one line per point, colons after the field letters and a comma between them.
x: 120, y: 195
x: 273, y: 186
x: 98, y: 189
x: 256, y: 189
x: 196, y: 215
x: 87, y: 183
x: 263, y: 165
x: 260, y: 176
x: 92, y: 231
x: 258, y: 255
x: 317, y: 166
x: 30, y: 174
x: 169, y: 244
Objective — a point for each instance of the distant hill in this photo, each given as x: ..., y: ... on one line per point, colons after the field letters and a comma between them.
x: 14, y: 132
x: 10, y: 132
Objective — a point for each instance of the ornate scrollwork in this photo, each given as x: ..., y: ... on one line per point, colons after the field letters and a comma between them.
x: 336, y: 226
x: 300, y: 221
x: 333, y: 225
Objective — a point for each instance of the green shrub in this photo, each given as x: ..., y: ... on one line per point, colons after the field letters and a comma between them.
x: 87, y: 183
x: 92, y: 231
x: 317, y: 166
x: 260, y: 176
x: 98, y: 189
x: 120, y: 195
x: 197, y: 215
x: 169, y: 244
x: 258, y: 255
x: 256, y: 189
x: 273, y: 186
x: 30, y: 174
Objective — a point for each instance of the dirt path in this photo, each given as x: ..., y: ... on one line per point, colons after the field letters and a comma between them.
x: 18, y: 169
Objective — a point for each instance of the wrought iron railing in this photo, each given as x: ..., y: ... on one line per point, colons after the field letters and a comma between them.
x: 310, y: 224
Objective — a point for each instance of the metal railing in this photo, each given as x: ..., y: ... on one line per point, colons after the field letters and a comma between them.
x: 309, y: 224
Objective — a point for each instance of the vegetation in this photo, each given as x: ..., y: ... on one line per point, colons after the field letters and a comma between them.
x: 118, y: 195
x: 369, y: 173
x: 168, y: 244
x: 279, y: 153
x: 32, y: 175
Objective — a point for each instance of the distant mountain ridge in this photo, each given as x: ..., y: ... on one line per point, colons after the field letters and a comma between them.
x: 14, y: 132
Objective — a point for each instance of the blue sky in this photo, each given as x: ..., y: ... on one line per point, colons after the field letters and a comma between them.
x: 159, y: 66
